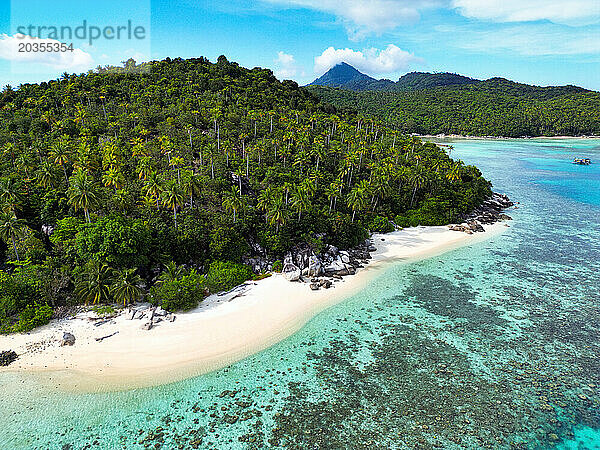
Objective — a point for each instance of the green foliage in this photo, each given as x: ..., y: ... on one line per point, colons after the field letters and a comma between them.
x: 17, y: 290
x: 277, y: 266
x: 381, y: 224
x: 190, y: 162
x: 224, y: 275
x: 116, y: 240
x: 31, y: 317
x: 495, y: 107
x: 227, y: 244
x: 181, y: 293
x: 103, y: 310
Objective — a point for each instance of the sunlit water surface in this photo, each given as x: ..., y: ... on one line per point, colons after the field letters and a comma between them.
x: 491, y: 345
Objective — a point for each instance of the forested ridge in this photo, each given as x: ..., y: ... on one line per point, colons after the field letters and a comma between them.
x: 153, y: 181
x: 494, y: 107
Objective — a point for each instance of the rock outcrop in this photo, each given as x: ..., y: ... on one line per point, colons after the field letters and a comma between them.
x: 7, y: 357
x: 488, y: 213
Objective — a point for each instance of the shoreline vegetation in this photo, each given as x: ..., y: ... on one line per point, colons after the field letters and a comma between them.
x: 115, y: 351
x: 173, y: 181
x: 116, y: 348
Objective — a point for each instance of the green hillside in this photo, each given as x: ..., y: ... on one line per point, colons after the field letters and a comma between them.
x: 154, y: 181
x: 495, y: 107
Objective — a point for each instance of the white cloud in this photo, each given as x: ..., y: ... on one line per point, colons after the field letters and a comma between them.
x: 362, y: 17
x: 572, y: 12
x: 66, y: 60
x: 372, y: 60
x: 286, y: 66
x: 527, y: 39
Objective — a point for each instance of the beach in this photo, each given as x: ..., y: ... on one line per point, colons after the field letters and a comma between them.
x: 222, y: 330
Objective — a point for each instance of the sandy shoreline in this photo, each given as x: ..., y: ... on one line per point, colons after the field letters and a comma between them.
x: 222, y: 330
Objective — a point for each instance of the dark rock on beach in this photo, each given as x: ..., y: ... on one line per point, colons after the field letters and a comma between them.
x: 67, y: 339
x: 7, y: 357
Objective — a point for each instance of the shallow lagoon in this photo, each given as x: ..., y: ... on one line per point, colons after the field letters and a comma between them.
x: 491, y: 345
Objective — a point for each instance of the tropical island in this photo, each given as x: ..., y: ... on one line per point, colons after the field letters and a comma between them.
x: 169, y: 181
x: 451, y: 104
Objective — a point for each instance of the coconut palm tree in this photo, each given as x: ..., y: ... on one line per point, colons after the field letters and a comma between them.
x: 454, y: 172
x: 10, y: 193
x: 60, y: 154
x: 300, y: 199
x: 191, y: 184
x: 83, y: 193
x: 417, y: 178
x: 46, y: 174
x: 172, y: 197
x: 154, y: 186
x: 11, y: 229
x: 113, y: 177
x: 93, y: 284
x: 233, y: 202
x: 358, y: 197
x: 126, y: 286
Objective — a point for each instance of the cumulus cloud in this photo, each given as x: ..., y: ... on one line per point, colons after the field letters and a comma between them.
x: 366, y: 17
x: 372, y: 60
x: 286, y: 66
x: 67, y: 60
x: 572, y: 12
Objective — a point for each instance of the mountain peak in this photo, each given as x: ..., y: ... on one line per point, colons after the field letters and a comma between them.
x: 343, y: 75
x: 339, y: 75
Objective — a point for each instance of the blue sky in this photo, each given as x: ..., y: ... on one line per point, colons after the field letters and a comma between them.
x: 544, y: 42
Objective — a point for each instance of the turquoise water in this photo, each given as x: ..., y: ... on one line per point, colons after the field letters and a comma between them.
x: 491, y: 345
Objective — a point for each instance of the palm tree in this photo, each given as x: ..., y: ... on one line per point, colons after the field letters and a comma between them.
x: 83, y: 193
x: 300, y: 200
x: 59, y: 154
x: 10, y: 193
x: 454, y: 173
x: 173, y: 197
x: 114, y: 178
x: 46, y: 174
x: 172, y: 272
x: 93, y: 284
x: 418, y: 179
x: 191, y: 185
x: 145, y: 167
x: 153, y: 186
x: 11, y: 228
x: 277, y: 213
x: 357, y: 197
x: 233, y: 202
x: 126, y: 286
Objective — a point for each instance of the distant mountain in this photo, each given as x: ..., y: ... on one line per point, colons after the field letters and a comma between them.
x: 345, y: 76
x: 425, y: 80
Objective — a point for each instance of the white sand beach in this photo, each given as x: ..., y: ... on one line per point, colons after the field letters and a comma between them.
x: 222, y: 330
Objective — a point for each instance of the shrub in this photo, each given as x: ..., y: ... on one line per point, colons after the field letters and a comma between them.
x: 381, y: 224
x: 115, y: 240
x: 226, y: 275
x: 183, y: 293
x: 277, y: 266
x: 32, y: 317
x: 16, y: 292
x: 227, y: 244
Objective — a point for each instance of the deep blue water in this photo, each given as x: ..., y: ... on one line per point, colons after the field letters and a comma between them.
x: 491, y: 345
